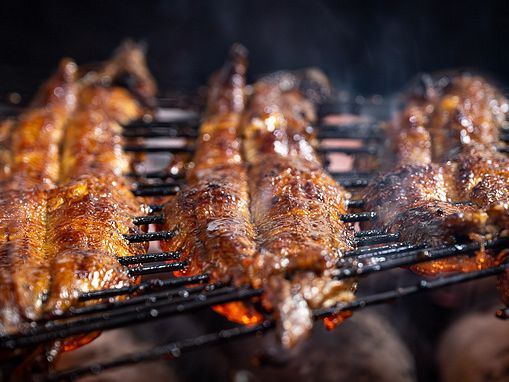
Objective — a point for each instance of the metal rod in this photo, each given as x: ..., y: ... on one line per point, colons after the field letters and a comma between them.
x: 141, y: 186
x: 417, y: 257
x: 351, y: 174
x: 352, y: 183
x: 423, y: 285
x: 150, y: 236
x: 368, y: 149
x: 176, y: 124
x: 160, y: 132
x: 173, y: 349
x: 371, y: 232
x: 156, y: 207
x: 385, y: 250
x: 158, y: 149
x: 358, y: 217
x: 156, y: 191
x: 160, y: 268
x: 151, y: 219
x: 149, y: 257
x: 154, y: 299
x: 54, y: 330
x: 149, y: 285
x: 376, y: 239
x: 155, y: 175
x: 355, y: 203
x: 349, y: 131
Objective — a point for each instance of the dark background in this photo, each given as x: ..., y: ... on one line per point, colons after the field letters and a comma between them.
x: 365, y: 46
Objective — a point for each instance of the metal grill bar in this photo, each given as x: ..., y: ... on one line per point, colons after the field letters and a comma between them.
x: 323, y: 132
x: 152, y: 299
x: 149, y: 257
x: 174, y: 124
x: 151, y: 269
x: 158, y: 149
x: 384, y: 250
x: 418, y: 256
x: 173, y: 349
x: 352, y: 131
x: 157, y: 191
x: 157, y: 132
x: 151, y: 219
x: 176, y: 348
x: 358, y: 217
x: 352, y: 183
x: 54, y: 330
x: 372, y: 232
x: 146, y: 286
x: 150, y: 236
x: 423, y: 285
x: 154, y: 175
x: 355, y: 203
x: 368, y: 149
x: 376, y: 239
x: 156, y: 207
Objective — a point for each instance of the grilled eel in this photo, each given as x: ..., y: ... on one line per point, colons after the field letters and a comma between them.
x: 30, y: 145
x: 465, y: 198
x: 93, y: 141
x: 128, y: 59
x: 296, y: 208
x: 56, y: 244
x: 211, y: 213
x: 449, y: 113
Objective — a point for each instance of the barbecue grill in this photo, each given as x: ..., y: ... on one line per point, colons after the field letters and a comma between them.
x: 166, y: 295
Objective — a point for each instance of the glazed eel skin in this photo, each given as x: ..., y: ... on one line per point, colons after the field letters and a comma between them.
x: 29, y: 146
x: 61, y: 242
x: 261, y: 210
x: 465, y: 198
x: 93, y: 141
x: 443, y: 115
x: 296, y: 208
x: 211, y: 213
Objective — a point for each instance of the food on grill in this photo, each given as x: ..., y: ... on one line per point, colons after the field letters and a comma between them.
x: 129, y: 59
x: 66, y: 206
x: 451, y: 112
x: 297, y: 236
x: 465, y: 198
x: 211, y: 213
x: 56, y: 244
x: 30, y: 147
x: 93, y: 138
x: 296, y: 210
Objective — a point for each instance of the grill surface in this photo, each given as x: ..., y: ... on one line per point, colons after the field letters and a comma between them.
x: 154, y: 299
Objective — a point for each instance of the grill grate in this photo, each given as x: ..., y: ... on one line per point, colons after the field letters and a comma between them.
x: 376, y: 251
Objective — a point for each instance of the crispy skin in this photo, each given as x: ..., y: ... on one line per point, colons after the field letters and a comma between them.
x: 212, y: 212
x: 93, y: 138
x: 32, y: 157
x: 58, y: 243
x: 408, y: 136
x: 415, y: 201
x: 453, y: 113
x: 23, y: 262
x: 296, y: 209
x: 423, y: 204
x: 85, y: 222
